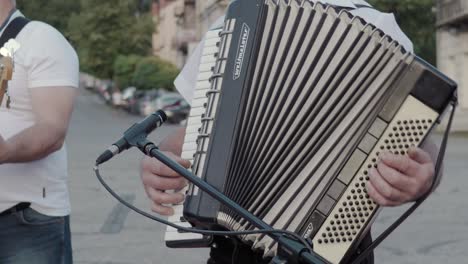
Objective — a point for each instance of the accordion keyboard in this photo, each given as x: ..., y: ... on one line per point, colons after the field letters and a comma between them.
x: 173, y: 237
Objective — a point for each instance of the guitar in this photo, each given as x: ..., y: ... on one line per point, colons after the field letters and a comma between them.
x: 6, y: 68
x: 6, y: 73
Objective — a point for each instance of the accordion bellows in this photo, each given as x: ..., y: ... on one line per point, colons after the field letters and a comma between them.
x: 300, y: 101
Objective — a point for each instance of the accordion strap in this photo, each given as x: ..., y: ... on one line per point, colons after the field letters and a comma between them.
x: 437, y: 173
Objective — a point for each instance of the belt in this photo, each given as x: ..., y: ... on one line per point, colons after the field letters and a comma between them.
x: 16, y: 208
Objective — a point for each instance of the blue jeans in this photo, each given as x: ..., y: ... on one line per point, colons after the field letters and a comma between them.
x: 30, y: 237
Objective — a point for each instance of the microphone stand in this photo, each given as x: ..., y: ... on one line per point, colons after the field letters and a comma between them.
x: 290, y: 251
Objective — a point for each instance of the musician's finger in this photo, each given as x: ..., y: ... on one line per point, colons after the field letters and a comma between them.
x: 162, y: 210
x: 395, y: 178
x: 156, y: 167
x: 419, y: 155
x: 379, y: 198
x: 401, y: 163
x: 163, y: 183
x: 161, y: 197
x: 385, y: 189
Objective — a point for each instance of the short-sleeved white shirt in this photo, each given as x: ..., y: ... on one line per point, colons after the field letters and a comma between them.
x: 45, y: 59
x: 185, y: 82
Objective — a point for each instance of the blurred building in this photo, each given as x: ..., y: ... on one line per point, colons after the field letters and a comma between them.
x: 452, y: 51
x: 175, y: 29
x: 208, y: 11
x: 181, y: 24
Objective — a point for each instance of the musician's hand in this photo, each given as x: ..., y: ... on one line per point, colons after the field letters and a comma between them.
x: 401, y: 179
x: 158, y: 178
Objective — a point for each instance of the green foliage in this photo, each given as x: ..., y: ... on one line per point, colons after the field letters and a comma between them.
x: 53, y: 12
x: 153, y: 72
x: 417, y: 20
x: 124, y: 69
x: 103, y: 30
x: 112, y: 38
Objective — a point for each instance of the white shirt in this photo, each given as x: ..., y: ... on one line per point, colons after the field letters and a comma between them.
x: 186, y: 80
x: 45, y: 59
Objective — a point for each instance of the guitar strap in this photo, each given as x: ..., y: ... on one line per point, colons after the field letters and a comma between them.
x: 13, y: 29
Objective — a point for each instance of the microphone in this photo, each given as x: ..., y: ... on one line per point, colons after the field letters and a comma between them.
x: 133, y: 135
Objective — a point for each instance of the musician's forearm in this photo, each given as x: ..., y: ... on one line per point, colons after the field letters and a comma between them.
x: 174, y: 142
x: 34, y: 143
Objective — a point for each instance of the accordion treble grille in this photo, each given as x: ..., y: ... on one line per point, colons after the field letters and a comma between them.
x: 354, y: 210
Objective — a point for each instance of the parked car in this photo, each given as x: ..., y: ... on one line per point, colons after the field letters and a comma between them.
x: 104, y: 89
x: 117, y: 98
x: 175, y: 106
x: 128, y: 92
x: 132, y: 105
x: 127, y: 95
x: 145, y: 103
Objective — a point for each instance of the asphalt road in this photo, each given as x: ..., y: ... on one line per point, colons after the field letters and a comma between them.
x: 105, y: 232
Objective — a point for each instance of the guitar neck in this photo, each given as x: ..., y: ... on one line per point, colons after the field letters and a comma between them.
x: 6, y: 73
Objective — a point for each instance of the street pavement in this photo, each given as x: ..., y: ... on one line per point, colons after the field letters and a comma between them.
x: 105, y: 232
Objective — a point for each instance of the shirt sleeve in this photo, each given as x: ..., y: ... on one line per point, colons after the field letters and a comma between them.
x: 385, y: 22
x: 186, y: 81
x: 50, y: 59
x: 187, y: 78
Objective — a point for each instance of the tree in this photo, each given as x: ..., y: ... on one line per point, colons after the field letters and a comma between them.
x: 153, y: 72
x: 102, y: 30
x: 53, y: 12
x: 417, y: 20
x: 124, y: 69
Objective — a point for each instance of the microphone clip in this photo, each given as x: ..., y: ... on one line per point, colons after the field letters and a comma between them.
x: 134, y: 136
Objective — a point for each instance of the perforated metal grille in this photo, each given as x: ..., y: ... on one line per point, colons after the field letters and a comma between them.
x: 357, y: 206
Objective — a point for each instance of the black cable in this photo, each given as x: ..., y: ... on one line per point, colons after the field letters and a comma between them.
x: 403, y: 217
x: 198, y: 231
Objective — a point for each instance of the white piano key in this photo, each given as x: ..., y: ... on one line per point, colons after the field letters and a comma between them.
x: 204, y: 76
x: 173, y: 219
x: 192, y: 130
x: 191, y: 138
x: 208, y: 59
x: 179, y: 223
x: 199, y: 102
x: 201, y: 93
x: 187, y: 155
x: 208, y: 67
x: 210, y: 50
x: 194, y: 121
x: 212, y: 42
x: 198, y: 111
x: 194, y: 124
x: 205, y: 84
x: 174, y: 236
x: 212, y: 34
x: 190, y: 147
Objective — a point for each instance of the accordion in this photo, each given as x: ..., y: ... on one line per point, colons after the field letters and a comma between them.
x: 294, y: 103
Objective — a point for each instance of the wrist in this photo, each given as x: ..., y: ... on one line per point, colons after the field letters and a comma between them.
x: 6, y: 152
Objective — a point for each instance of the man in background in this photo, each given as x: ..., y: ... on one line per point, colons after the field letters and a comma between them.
x: 34, y: 199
